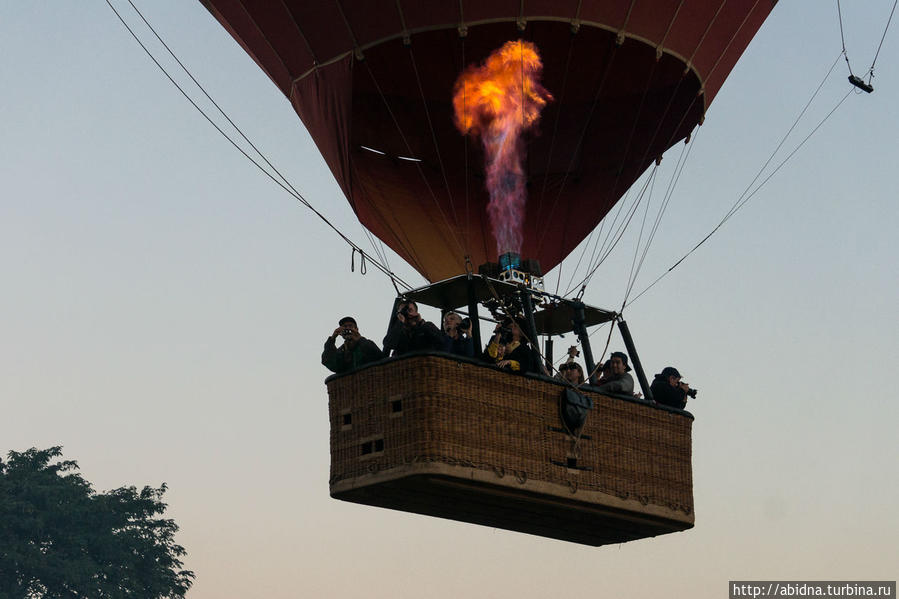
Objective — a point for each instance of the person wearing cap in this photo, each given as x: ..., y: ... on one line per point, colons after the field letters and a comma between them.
x: 355, y: 351
x: 618, y: 380
x: 667, y: 388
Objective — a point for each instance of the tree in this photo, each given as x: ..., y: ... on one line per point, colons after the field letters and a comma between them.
x: 61, y: 539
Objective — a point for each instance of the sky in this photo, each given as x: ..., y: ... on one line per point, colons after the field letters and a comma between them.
x: 164, y: 307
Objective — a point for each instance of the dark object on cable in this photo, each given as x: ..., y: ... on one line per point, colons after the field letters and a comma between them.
x: 573, y: 409
x: 857, y: 82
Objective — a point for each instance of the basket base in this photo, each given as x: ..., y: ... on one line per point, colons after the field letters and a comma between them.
x: 602, y: 520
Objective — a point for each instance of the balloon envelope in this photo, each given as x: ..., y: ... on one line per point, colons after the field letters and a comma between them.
x: 372, y: 80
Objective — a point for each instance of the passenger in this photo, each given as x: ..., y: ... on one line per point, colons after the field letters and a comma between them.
x: 605, y: 372
x: 355, y: 351
x: 667, y: 388
x: 457, y: 335
x: 409, y: 332
x: 508, y: 350
x: 618, y: 380
x: 571, y: 371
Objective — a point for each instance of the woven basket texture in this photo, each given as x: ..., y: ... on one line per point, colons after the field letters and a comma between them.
x: 433, y: 409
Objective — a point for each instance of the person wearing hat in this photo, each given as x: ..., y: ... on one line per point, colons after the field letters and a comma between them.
x: 618, y: 380
x: 355, y: 351
x: 667, y: 388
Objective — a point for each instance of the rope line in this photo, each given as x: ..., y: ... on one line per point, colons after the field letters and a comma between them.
x: 592, y: 268
x: 845, y: 54
x: 285, y: 185
x: 622, y: 228
x: 632, y: 275
x: 743, y: 200
x: 672, y: 184
x: 843, y: 38
x: 381, y: 254
x: 883, y: 37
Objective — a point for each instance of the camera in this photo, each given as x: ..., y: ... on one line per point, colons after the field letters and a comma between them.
x: 346, y: 333
x: 505, y: 331
x: 464, y: 325
x: 692, y: 393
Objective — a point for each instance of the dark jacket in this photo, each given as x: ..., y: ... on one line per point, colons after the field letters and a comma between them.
x: 340, y: 359
x: 521, y: 359
x: 422, y: 337
x: 667, y: 395
x: 462, y: 346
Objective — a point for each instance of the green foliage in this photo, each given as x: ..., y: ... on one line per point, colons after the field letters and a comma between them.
x: 61, y: 539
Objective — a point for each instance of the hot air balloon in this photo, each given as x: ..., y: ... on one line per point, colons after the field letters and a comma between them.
x: 373, y: 81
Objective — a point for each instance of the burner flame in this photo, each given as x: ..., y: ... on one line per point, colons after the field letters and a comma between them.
x: 499, y: 101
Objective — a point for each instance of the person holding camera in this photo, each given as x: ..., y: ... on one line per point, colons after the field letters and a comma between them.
x: 355, y: 351
x: 507, y: 349
x: 570, y: 370
x: 457, y: 335
x: 618, y: 379
x: 667, y: 388
x: 409, y: 332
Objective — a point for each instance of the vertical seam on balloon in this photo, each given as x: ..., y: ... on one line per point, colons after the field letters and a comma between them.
x: 727, y: 47
x: 400, y: 235
x: 349, y: 29
x: 263, y: 36
x: 577, y: 146
x: 300, y: 31
x: 434, y: 140
x: 409, y: 149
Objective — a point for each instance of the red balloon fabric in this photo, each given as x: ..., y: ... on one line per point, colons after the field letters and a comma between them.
x: 372, y: 80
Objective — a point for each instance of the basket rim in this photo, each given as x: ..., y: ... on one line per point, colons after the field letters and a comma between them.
x: 533, y: 376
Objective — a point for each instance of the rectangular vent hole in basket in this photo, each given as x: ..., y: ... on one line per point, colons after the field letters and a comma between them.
x: 372, y: 446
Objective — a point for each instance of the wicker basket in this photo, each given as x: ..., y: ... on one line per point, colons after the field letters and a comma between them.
x: 438, y: 436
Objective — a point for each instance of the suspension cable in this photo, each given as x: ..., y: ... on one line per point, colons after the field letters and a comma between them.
x: 285, y: 185
x: 743, y: 200
x: 669, y: 192
x: 619, y: 234
x: 883, y: 37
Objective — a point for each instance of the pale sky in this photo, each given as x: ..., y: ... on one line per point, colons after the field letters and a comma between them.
x: 164, y: 307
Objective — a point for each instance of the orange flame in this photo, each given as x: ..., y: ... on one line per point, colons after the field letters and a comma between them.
x: 499, y: 101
